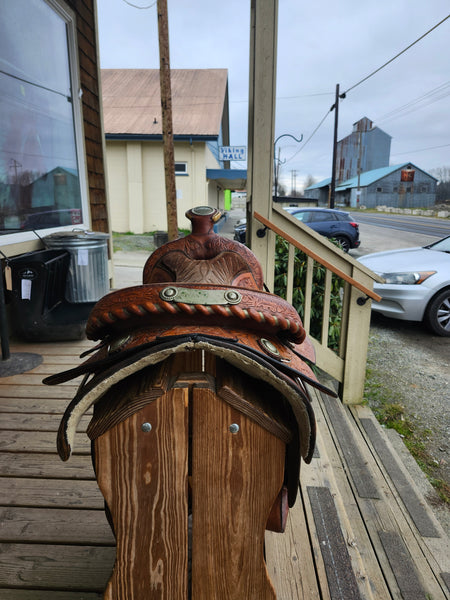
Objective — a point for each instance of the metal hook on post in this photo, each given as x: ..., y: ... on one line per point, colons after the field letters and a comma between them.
x: 279, y: 162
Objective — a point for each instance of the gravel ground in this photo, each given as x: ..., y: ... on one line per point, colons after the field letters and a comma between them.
x: 414, y: 369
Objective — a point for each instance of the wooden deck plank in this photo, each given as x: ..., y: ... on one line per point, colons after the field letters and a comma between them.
x: 327, y: 470
x: 340, y: 575
x: 11, y: 594
x: 45, y: 466
x: 62, y: 526
x: 290, y: 561
x: 34, y: 405
x: 77, y: 568
x: 56, y: 493
x: 385, y: 515
x: 50, y: 367
x: 74, y: 348
x: 37, y: 422
x: 66, y: 392
x: 39, y: 441
x: 55, y: 543
x: 437, y: 546
x: 33, y: 378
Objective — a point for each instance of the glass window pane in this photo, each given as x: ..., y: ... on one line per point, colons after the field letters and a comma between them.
x: 39, y: 183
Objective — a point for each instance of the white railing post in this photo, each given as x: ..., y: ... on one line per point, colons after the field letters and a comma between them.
x: 348, y: 365
x: 356, y: 337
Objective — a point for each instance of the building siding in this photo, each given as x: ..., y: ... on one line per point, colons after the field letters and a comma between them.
x: 391, y: 191
x: 85, y: 11
x: 136, y: 183
x: 369, y: 146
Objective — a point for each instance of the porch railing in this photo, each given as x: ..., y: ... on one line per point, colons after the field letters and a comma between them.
x: 334, y: 298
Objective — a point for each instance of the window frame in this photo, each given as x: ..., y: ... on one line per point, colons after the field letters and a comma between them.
x: 68, y: 16
x: 181, y: 173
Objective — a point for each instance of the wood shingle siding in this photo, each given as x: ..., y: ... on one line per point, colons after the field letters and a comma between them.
x: 89, y: 65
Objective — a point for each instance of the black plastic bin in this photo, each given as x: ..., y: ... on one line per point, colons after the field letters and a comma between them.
x: 39, y: 309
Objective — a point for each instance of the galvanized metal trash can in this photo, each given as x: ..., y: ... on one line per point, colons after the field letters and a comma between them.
x: 88, y: 278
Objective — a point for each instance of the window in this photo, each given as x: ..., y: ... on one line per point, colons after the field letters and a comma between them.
x: 181, y: 168
x: 39, y: 118
x: 379, y: 189
x: 319, y: 216
x: 302, y: 216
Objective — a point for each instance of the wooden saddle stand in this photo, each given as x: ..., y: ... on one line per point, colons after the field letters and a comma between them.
x: 201, y: 418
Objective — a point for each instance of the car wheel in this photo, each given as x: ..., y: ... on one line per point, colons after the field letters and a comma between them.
x: 343, y: 242
x: 437, y: 314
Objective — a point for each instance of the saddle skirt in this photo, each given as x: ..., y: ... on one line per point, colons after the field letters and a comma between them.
x: 202, y: 292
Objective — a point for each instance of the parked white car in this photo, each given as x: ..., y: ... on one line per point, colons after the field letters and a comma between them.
x: 417, y: 284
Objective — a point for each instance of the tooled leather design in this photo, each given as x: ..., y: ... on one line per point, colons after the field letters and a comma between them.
x: 227, y: 268
x: 206, y: 251
x: 142, y: 305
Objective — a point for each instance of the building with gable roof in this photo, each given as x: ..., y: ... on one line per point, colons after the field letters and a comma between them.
x: 134, y: 144
x: 364, y: 177
x: 400, y: 186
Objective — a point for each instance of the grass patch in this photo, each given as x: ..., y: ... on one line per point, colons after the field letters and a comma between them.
x: 391, y: 414
x: 132, y: 242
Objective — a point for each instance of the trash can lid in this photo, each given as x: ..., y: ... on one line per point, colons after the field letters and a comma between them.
x: 77, y: 234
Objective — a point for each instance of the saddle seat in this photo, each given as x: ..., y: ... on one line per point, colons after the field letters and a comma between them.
x: 200, y: 293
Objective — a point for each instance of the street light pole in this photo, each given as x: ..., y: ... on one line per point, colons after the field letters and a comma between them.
x: 275, y: 160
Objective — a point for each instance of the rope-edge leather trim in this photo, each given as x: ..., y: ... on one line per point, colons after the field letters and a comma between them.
x: 291, y: 327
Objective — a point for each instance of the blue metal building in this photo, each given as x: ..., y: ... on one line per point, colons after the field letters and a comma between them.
x: 399, y: 186
x: 365, y: 149
x: 364, y: 177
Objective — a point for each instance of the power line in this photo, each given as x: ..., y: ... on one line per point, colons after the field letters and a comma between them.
x: 310, y: 137
x: 409, y: 105
x: 289, y: 97
x: 395, y: 57
x: 412, y: 109
x: 421, y: 150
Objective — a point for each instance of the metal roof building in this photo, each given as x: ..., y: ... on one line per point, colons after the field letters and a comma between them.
x: 132, y: 103
x: 400, y: 186
x: 134, y: 147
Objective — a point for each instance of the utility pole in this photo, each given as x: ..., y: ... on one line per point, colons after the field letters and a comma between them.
x: 333, y: 167
x: 293, y: 182
x: 167, y: 127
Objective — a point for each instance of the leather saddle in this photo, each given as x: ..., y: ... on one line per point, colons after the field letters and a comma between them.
x: 200, y: 293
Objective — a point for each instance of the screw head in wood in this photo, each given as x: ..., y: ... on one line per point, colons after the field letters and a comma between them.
x: 146, y: 427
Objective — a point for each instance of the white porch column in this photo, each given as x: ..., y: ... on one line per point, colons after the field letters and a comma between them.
x: 261, y: 127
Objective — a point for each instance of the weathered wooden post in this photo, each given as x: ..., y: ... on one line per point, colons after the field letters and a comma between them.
x: 201, y: 417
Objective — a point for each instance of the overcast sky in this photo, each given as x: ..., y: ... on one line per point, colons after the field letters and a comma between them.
x: 320, y: 43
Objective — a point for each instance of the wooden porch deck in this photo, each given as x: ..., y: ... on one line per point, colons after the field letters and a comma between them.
x: 359, y: 529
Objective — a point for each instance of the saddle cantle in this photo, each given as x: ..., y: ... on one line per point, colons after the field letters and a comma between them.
x: 201, y: 293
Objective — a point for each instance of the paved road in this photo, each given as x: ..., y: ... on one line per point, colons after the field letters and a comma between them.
x: 423, y: 225
x: 390, y: 234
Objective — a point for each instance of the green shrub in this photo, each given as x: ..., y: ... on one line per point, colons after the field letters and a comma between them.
x: 317, y: 298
